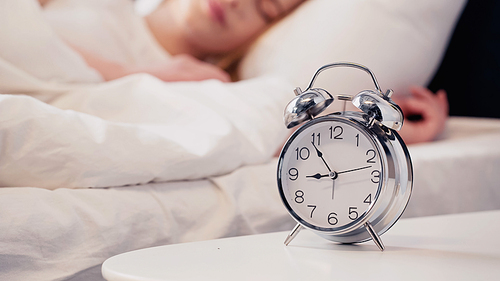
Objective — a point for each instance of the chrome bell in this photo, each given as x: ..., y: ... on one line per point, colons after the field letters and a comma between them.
x: 306, y: 105
x: 381, y: 107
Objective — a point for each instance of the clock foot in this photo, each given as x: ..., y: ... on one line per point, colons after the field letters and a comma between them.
x: 374, y: 236
x: 292, y: 234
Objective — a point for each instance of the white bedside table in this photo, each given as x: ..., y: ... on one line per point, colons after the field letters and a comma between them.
x: 452, y: 247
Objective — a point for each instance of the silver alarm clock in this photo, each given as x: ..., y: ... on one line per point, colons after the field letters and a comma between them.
x: 347, y: 176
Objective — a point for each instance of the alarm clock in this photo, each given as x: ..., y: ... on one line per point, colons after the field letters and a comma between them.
x: 347, y: 176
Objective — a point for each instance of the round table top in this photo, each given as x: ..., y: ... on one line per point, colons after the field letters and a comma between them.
x: 451, y: 247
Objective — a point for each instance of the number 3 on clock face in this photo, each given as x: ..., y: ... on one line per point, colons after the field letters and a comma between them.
x: 330, y: 173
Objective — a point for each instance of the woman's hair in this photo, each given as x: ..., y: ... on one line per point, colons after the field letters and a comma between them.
x: 230, y: 60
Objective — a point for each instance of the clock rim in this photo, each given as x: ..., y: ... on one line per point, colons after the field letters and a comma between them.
x: 362, y: 219
x: 395, y: 152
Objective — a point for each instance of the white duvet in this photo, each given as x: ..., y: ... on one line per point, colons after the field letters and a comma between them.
x: 138, y: 130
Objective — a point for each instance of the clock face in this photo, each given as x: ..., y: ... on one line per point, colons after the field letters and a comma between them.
x: 330, y: 173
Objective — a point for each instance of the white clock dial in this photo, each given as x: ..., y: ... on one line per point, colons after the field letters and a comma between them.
x: 330, y: 174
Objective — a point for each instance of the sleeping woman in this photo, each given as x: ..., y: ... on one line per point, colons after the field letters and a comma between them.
x: 187, y: 32
x: 179, y: 38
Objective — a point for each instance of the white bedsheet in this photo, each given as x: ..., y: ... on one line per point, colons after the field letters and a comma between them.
x: 460, y: 172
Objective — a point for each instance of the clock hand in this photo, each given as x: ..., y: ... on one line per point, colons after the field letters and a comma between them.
x: 333, y: 189
x: 333, y: 176
x: 352, y: 170
x: 320, y: 155
x: 318, y: 176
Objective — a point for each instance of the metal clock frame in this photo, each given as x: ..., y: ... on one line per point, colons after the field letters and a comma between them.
x: 397, y: 176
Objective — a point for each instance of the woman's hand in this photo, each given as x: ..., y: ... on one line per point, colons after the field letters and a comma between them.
x: 182, y: 68
x: 431, y: 111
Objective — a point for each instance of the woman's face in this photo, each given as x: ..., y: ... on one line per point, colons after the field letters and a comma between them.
x: 218, y: 26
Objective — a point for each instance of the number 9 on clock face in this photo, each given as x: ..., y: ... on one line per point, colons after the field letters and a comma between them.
x: 330, y: 173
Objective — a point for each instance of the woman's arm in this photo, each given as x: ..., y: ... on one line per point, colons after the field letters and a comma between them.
x: 178, y: 68
x: 183, y: 68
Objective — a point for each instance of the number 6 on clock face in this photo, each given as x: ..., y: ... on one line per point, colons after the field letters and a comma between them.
x: 330, y: 173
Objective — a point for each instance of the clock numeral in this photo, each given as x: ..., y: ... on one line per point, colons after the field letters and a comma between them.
x: 376, y: 176
x: 372, y: 154
x: 299, y: 196
x: 357, y: 140
x: 332, y: 219
x: 313, y: 208
x: 316, y: 137
x: 294, y: 174
x: 338, y: 134
x: 302, y: 153
x: 368, y: 199
x: 352, y: 213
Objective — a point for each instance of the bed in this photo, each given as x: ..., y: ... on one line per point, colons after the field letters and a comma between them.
x: 92, y: 169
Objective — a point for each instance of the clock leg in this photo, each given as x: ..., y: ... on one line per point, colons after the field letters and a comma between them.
x: 293, y: 233
x: 374, y: 236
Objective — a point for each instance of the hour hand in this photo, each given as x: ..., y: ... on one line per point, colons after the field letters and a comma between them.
x: 317, y: 150
x: 317, y: 176
x: 320, y: 155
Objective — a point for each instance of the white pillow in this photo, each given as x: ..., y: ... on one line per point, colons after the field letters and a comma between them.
x: 402, y: 42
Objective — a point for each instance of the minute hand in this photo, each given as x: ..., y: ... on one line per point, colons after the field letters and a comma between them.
x: 320, y: 155
x: 352, y: 170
